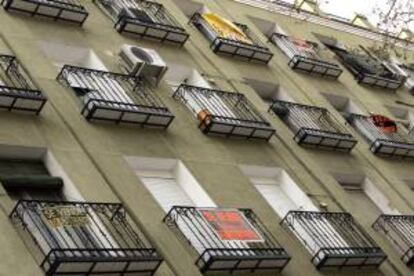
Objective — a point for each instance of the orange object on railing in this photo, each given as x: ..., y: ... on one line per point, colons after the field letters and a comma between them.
x: 204, y: 116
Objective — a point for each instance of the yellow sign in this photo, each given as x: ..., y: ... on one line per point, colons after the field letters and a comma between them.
x: 63, y: 216
x: 225, y: 28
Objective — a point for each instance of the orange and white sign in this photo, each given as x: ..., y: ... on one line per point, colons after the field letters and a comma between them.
x: 230, y: 225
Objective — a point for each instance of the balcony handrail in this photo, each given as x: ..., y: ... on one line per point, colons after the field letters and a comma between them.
x: 250, y: 110
x: 255, y: 40
x: 159, y: 12
x: 72, y: 3
x: 292, y: 48
x: 16, y: 75
x: 270, y: 241
x: 163, y: 109
x: 68, y: 67
x: 355, y: 236
x: 397, y: 137
x: 102, y: 234
x: 114, y: 87
x: 324, y: 122
x: 28, y: 91
x: 343, y: 53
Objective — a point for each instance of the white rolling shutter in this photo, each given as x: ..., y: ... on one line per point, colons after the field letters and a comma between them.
x: 167, y: 192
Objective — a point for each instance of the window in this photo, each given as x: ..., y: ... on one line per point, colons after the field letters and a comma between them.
x: 365, y: 194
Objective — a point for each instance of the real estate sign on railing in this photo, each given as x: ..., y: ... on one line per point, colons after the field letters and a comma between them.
x: 63, y: 216
x: 230, y: 225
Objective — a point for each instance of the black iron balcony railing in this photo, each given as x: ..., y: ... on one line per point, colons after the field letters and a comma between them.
x: 144, y: 18
x: 305, y: 58
x: 216, y: 254
x: 368, y: 70
x: 409, y: 72
x: 313, y: 126
x: 334, y: 239
x: 224, y: 113
x: 17, y: 91
x: 120, y: 98
x: 58, y: 10
x: 253, y: 50
x: 399, y: 231
x: 80, y: 238
x: 388, y: 144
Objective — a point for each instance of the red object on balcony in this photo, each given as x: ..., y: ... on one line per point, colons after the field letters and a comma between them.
x: 383, y: 123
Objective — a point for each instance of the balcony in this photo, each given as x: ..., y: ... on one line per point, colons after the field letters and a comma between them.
x: 247, y: 48
x: 79, y: 238
x: 17, y: 91
x: 227, y: 240
x: 334, y: 240
x: 396, y: 143
x: 113, y: 97
x: 313, y: 126
x: 368, y: 70
x: 399, y: 231
x: 59, y: 10
x: 144, y: 19
x: 224, y: 113
x: 303, y: 56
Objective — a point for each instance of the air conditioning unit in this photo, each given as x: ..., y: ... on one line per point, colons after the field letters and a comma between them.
x: 143, y: 62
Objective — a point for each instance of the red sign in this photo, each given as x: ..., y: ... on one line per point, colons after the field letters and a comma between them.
x: 383, y: 123
x: 230, y: 225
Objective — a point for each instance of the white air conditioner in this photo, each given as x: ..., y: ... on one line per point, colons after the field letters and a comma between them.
x: 143, y: 62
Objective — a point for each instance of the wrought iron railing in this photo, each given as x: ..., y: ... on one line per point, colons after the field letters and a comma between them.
x: 399, y: 231
x: 224, y: 113
x: 254, y: 51
x: 64, y: 10
x: 306, y: 61
x: 409, y: 71
x: 145, y: 19
x: 115, y: 97
x: 368, y: 70
x: 84, y: 238
x: 398, y: 143
x: 313, y: 126
x: 17, y: 91
x: 334, y: 239
x: 216, y: 254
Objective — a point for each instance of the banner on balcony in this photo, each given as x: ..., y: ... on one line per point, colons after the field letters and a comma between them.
x: 63, y: 216
x: 303, y: 45
x: 384, y: 124
x: 225, y: 28
x: 230, y: 225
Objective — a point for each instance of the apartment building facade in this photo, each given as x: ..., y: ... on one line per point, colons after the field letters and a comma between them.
x: 192, y: 137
